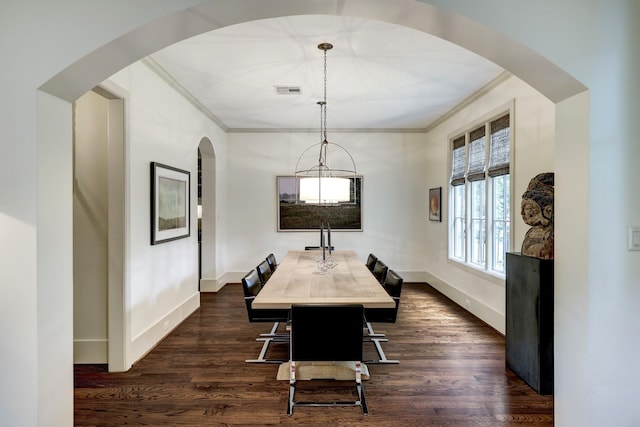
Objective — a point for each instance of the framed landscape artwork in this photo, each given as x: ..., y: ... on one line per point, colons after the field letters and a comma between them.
x: 292, y: 216
x: 435, y: 213
x: 170, y: 203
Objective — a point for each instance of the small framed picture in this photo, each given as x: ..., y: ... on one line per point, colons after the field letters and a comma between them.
x: 170, y: 198
x: 435, y: 212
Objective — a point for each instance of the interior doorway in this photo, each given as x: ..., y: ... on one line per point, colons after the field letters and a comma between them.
x: 98, y: 229
x: 207, y: 215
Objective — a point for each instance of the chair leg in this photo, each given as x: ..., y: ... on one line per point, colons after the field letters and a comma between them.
x: 371, y: 332
x: 292, y: 387
x: 382, y: 357
x: 272, y: 333
x: 270, y: 337
x: 263, y: 352
x: 360, y: 390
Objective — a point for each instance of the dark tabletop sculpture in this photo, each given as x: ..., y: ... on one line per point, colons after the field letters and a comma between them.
x: 537, y: 211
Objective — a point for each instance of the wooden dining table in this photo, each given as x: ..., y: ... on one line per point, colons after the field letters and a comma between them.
x: 299, y: 279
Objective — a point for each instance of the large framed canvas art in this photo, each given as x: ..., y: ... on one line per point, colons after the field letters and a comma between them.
x: 297, y: 216
x: 170, y: 203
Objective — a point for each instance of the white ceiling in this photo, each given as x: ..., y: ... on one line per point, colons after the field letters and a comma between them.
x: 379, y: 75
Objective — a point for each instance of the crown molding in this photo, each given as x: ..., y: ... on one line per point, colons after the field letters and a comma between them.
x: 154, y: 66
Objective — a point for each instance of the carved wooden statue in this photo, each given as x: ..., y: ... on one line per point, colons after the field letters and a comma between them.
x: 537, y: 211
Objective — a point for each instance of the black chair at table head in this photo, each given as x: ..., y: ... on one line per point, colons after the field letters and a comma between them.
x: 331, y: 333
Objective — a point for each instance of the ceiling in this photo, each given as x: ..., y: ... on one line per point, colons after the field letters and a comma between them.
x: 380, y: 76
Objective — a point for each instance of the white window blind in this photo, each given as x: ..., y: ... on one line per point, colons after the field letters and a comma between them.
x: 458, y: 161
x: 499, y: 148
x: 476, y: 154
x: 480, y: 209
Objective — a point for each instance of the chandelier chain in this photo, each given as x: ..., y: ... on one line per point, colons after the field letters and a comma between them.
x: 324, y: 106
x: 319, y: 183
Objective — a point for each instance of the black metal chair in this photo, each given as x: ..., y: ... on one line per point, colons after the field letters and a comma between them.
x: 271, y: 260
x: 371, y: 262
x: 251, y: 286
x: 380, y: 271
x: 393, y: 285
x: 264, y: 272
x: 326, y: 333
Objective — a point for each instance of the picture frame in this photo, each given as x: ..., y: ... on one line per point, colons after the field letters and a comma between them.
x: 292, y: 216
x: 435, y: 204
x: 170, y: 203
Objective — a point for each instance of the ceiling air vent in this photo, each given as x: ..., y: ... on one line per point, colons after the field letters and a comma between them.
x: 288, y: 90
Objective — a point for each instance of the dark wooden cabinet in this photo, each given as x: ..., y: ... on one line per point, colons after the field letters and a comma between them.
x: 529, y: 320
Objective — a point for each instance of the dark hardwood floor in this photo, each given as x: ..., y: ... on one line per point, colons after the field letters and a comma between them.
x: 451, y: 373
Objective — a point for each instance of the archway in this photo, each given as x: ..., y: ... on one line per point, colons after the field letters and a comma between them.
x: 520, y: 60
x: 557, y: 85
x: 207, y: 215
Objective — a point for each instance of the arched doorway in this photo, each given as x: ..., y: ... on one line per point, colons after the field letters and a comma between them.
x: 207, y: 215
x: 82, y: 75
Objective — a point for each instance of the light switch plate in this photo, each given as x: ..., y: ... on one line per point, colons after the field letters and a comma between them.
x: 633, y: 240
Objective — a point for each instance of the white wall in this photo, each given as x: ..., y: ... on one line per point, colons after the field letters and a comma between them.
x: 394, y: 213
x: 36, y: 301
x: 533, y: 153
x: 161, y: 281
x: 53, y: 343
x: 571, y: 274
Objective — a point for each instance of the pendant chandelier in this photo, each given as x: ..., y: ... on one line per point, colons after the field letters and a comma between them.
x: 320, y: 183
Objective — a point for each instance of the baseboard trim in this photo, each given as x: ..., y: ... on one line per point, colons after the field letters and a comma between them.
x: 482, y: 311
x: 215, y: 285
x: 144, y: 342
x: 411, y: 276
x: 210, y: 285
x: 90, y: 350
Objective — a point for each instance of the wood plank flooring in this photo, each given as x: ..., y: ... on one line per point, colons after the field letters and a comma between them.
x: 451, y: 373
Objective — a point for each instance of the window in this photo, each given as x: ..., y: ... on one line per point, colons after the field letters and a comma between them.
x: 501, y: 221
x: 480, y: 195
x: 458, y: 221
x: 478, y: 222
